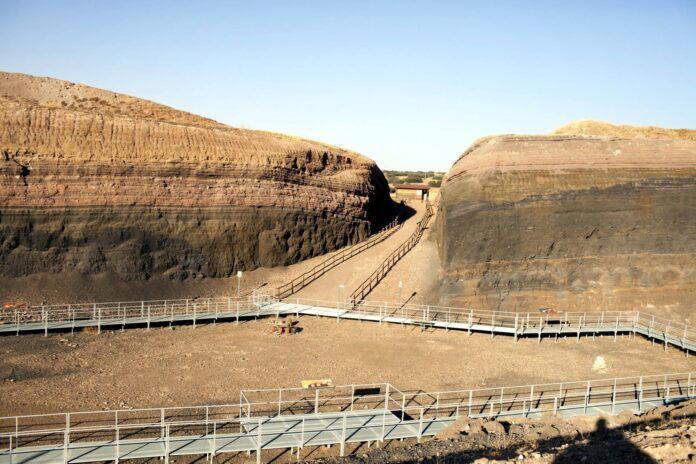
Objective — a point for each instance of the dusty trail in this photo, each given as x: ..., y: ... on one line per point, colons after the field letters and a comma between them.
x: 351, y: 273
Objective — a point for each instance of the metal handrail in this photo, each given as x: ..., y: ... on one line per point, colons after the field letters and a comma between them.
x: 368, y: 284
x: 491, y: 402
x: 301, y: 281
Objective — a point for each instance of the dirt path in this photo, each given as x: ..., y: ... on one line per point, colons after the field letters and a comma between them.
x: 351, y: 273
x: 418, y: 272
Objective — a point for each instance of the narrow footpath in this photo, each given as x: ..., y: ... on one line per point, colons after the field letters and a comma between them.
x: 351, y: 273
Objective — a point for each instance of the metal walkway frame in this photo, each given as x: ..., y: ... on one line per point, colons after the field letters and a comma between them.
x: 119, y: 315
x: 296, y: 418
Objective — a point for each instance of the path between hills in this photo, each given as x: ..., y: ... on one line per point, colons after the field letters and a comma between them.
x: 354, y: 271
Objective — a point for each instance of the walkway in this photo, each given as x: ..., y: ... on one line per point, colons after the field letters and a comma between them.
x: 353, y: 272
x: 278, y: 418
x: 168, y: 312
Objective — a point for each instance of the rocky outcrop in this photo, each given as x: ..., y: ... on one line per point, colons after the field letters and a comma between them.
x: 580, y: 223
x: 95, y: 181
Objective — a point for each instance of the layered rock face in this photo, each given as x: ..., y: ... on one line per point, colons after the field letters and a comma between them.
x: 94, y: 181
x: 577, y: 222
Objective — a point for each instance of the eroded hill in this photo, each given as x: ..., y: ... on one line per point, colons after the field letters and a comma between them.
x: 575, y: 222
x: 95, y: 181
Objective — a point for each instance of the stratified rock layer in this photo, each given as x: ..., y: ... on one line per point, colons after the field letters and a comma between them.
x: 575, y: 222
x: 94, y: 181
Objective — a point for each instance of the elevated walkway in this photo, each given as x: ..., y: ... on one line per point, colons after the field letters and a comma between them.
x: 338, y: 416
x: 168, y: 312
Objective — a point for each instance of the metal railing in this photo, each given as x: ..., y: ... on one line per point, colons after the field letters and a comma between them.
x: 300, y: 417
x: 337, y: 258
x: 71, y: 316
x: 68, y: 317
x: 294, y: 401
x: 376, y: 277
x: 516, y: 324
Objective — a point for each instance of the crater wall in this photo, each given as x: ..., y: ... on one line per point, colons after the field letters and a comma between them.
x: 94, y: 181
x: 580, y: 223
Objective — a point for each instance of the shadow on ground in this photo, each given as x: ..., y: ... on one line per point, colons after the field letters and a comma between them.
x: 603, y: 445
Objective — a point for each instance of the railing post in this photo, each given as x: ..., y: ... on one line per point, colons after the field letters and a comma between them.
x: 194, y: 315
x: 166, y: 444
x: 343, y: 436
x: 258, y: 444
x: 66, y: 440
x: 384, y: 422
x: 316, y: 401
x: 99, y: 321
x: 516, y: 326
x: 214, y: 450
x: 420, y: 425
x: 45, y: 318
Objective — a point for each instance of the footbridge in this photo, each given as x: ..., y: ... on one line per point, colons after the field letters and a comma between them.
x: 295, y: 418
x: 146, y: 314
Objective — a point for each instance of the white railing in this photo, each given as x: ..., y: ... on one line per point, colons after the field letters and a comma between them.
x: 107, y: 429
x: 69, y: 316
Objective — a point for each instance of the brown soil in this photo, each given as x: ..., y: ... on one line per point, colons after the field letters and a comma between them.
x: 210, y: 364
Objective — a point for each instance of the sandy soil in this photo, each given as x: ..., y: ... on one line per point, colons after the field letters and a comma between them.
x: 210, y: 364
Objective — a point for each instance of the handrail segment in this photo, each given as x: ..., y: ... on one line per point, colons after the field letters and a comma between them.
x: 301, y: 281
x: 284, y: 418
x: 517, y: 324
x: 376, y: 277
x: 72, y: 316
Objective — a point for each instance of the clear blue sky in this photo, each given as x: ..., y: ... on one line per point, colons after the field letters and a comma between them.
x: 409, y: 84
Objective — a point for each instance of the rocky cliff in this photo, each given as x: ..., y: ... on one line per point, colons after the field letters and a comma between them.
x: 578, y: 222
x: 94, y: 181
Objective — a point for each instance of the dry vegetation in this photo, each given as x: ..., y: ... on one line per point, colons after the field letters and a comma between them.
x: 591, y: 127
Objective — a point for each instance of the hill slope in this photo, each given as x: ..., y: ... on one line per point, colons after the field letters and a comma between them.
x: 576, y: 222
x: 93, y: 181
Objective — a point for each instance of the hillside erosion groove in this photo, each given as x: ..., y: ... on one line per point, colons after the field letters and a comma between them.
x: 93, y: 181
